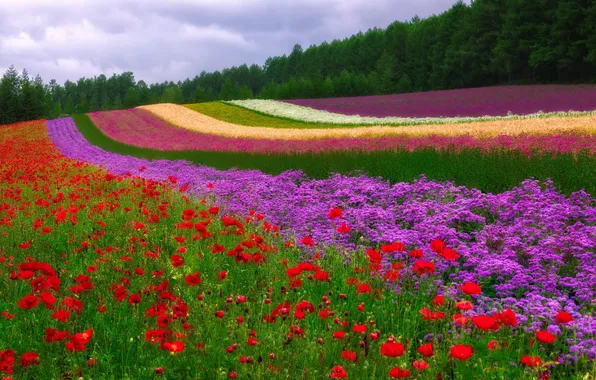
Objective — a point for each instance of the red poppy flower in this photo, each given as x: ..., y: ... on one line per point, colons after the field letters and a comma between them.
x: 349, y: 355
x: 134, y: 299
x: 339, y: 334
x: 420, y: 365
x: 29, y: 358
x: 373, y: 256
x: 344, y: 228
x: 391, y: 275
x: 563, y: 317
x: 321, y: 276
x: 308, y: 241
x: 360, y: 329
x: 426, y: 350
x: 459, y: 319
x: 364, y: 288
x: 437, y: 245
x: 28, y: 302
x: 461, y: 352
x: 48, y: 299
x: 508, y: 318
x: 61, y: 315
x: 545, y: 337
x: 335, y: 213
x: 193, y: 279
x: 338, y: 372
x: 464, y: 305
x: 439, y: 300
x: 493, y: 345
x: 531, y: 361
x: 393, y: 247
x: 428, y: 315
x: 79, y: 340
x: 449, y: 254
x: 416, y: 253
x: 173, y: 346
x: 219, y: 314
x: 484, y: 322
x: 471, y: 288
x: 222, y: 275
x: 421, y: 267
x: 392, y: 349
x: 398, y: 373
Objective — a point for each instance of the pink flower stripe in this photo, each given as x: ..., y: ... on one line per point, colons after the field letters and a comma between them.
x: 140, y: 128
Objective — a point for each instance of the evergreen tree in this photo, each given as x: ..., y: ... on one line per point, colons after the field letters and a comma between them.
x: 69, y: 107
x: 404, y: 85
x: 117, y: 105
x: 94, y: 105
x: 227, y: 90
x: 245, y: 93
x: 105, y: 103
x: 9, y: 96
x: 83, y: 106
x: 132, y: 98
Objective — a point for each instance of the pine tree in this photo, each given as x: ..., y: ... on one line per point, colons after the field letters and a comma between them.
x: 69, y: 107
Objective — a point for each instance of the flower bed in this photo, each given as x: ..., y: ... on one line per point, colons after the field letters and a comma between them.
x: 532, y: 247
x: 471, y: 102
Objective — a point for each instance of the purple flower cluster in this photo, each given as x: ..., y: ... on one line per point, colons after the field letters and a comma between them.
x: 531, y: 246
x: 485, y: 101
x: 138, y: 127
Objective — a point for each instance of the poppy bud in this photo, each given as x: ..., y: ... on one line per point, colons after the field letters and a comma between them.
x: 229, y: 300
x: 235, y: 345
x: 371, y: 322
x: 230, y: 349
x: 327, y: 302
x: 342, y: 296
x: 331, y: 292
x: 200, y: 297
x: 271, y: 356
x: 267, y: 301
x: 320, y: 341
x: 159, y: 370
x: 324, y: 298
x: 362, y: 343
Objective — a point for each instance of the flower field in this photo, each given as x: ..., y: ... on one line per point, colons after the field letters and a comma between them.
x: 164, y: 269
x: 140, y: 128
x: 216, y: 241
x: 185, y: 118
x: 469, y: 102
x: 305, y: 114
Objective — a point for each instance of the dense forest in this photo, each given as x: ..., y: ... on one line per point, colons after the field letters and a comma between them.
x: 488, y: 42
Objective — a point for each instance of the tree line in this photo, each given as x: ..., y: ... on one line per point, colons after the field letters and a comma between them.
x: 488, y: 42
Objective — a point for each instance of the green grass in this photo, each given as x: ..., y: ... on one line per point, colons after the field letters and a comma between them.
x: 494, y: 172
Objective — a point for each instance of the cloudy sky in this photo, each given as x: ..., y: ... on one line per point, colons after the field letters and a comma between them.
x: 171, y: 40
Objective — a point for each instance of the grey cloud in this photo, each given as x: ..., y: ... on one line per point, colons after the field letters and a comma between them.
x: 157, y: 40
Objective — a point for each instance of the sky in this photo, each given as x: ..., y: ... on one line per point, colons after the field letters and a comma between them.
x: 162, y: 40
